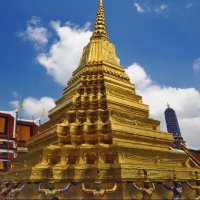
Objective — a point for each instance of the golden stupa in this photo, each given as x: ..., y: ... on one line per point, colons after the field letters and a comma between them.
x: 100, y: 130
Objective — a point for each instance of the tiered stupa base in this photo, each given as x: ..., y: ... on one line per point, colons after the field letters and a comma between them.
x: 110, y: 164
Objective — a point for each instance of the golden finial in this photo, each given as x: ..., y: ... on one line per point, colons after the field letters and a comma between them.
x: 19, y: 108
x: 101, y: 2
x: 100, y: 24
x: 41, y: 116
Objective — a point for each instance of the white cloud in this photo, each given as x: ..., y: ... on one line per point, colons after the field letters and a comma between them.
x: 16, y: 95
x: 196, y: 65
x: 160, y: 8
x: 191, y: 129
x: 185, y: 101
x: 35, y: 33
x: 139, y: 8
x: 33, y: 107
x: 138, y: 76
x: 65, y: 53
x: 189, y: 5
x: 146, y: 8
x: 14, y: 104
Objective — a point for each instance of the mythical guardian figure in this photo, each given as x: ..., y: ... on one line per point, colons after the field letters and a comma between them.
x: 147, y: 191
x: 98, y: 192
x: 51, y: 192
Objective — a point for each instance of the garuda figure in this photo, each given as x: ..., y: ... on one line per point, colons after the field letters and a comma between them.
x: 51, y: 192
x: 147, y: 190
x: 16, y: 189
x: 98, y: 192
x: 196, y: 187
x: 176, y: 189
x: 5, y: 190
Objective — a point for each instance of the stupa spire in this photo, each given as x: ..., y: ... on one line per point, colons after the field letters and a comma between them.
x: 99, y: 49
x: 100, y: 24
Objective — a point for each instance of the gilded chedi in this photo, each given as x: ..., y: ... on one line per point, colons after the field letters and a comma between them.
x: 100, y: 130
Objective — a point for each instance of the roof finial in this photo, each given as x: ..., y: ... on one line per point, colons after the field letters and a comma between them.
x: 101, y: 2
x: 168, y: 105
x: 20, y: 106
x: 100, y: 24
x: 41, y: 116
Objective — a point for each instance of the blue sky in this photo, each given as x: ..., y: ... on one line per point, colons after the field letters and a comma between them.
x: 157, y: 40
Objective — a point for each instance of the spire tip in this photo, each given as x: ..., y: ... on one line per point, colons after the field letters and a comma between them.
x: 101, y: 2
x: 100, y: 24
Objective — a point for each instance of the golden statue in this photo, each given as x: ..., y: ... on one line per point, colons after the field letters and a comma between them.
x: 177, y: 188
x: 196, y: 187
x: 147, y: 191
x: 16, y: 189
x: 5, y: 189
x: 98, y: 192
x: 51, y: 191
